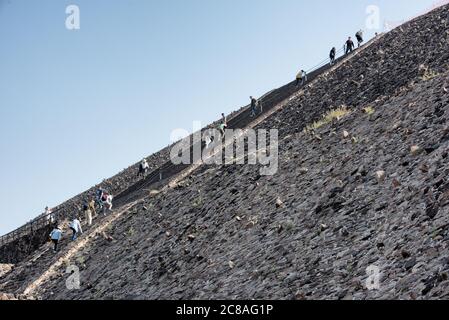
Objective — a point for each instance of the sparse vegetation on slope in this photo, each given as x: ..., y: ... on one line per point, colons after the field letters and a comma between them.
x: 332, y: 115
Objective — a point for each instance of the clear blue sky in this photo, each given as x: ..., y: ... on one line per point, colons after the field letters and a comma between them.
x: 79, y: 106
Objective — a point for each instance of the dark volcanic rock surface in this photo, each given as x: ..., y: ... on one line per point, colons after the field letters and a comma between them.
x: 311, y: 230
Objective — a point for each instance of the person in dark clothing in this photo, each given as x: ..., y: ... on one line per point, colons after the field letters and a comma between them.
x: 259, y: 103
x: 332, y: 55
x: 98, y: 196
x: 349, y: 46
x: 253, y: 107
x: 224, y: 119
x: 359, y: 36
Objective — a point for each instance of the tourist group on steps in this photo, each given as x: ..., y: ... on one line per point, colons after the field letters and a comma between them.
x: 102, y: 202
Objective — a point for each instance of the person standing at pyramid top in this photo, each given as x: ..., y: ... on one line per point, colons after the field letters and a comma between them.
x: 359, y: 36
x: 349, y: 46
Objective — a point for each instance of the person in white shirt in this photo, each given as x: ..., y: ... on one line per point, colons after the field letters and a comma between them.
x: 75, y: 226
x: 143, y: 168
x: 145, y: 164
x: 303, y: 76
x: 207, y: 140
